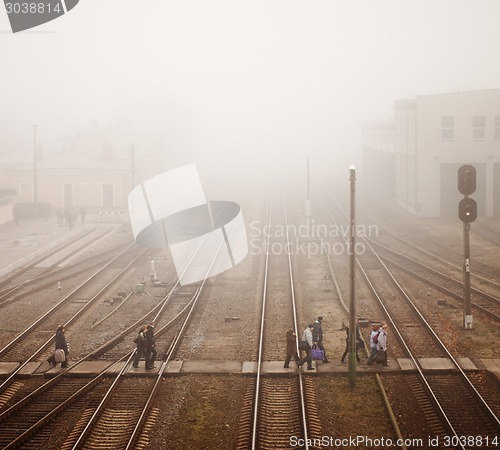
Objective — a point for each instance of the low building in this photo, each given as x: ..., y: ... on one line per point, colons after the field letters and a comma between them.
x: 434, y: 136
x: 72, y: 181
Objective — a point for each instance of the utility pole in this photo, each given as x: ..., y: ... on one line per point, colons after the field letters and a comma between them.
x: 352, y: 305
x: 308, y: 199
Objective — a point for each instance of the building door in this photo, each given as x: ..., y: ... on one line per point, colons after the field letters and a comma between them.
x: 108, y: 200
x: 68, y: 196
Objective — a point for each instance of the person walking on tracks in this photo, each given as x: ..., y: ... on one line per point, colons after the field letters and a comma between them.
x: 140, y: 342
x: 359, y: 343
x: 382, y: 346
x: 318, y: 337
x: 61, y: 353
x: 150, y: 347
x: 291, y: 347
x: 305, y: 344
x: 373, y: 343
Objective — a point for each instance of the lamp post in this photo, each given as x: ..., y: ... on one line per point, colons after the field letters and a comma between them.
x: 35, y: 191
x: 352, y: 306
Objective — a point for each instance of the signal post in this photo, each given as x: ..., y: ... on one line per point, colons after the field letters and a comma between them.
x: 467, y: 213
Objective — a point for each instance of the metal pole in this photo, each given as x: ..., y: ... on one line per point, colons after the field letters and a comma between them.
x: 467, y: 302
x: 35, y: 192
x: 352, y: 306
x: 308, y: 199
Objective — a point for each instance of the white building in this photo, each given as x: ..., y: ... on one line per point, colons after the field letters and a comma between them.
x: 433, y: 136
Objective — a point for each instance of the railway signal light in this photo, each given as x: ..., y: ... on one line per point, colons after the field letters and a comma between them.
x: 467, y: 210
x: 466, y: 179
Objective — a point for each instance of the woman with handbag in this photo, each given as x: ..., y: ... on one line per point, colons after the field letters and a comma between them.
x: 61, y: 353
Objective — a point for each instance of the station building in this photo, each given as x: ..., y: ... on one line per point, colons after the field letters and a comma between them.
x: 433, y: 136
x: 72, y: 181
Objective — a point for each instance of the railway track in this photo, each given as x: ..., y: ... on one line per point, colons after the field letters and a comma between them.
x: 113, y: 411
x: 439, y: 393
x: 278, y: 407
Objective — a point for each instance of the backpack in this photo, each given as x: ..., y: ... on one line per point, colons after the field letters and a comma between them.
x: 375, y: 338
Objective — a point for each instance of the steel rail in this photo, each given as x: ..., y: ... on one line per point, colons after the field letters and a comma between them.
x: 56, y: 306
x: 428, y: 327
x: 257, y: 396
x: 168, y: 356
x: 261, y: 333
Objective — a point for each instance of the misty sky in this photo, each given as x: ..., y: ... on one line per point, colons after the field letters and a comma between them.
x: 229, y: 78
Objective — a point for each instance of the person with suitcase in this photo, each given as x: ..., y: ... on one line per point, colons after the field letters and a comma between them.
x: 61, y: 352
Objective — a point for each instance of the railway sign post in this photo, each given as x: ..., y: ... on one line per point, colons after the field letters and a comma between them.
x: 352, y: 305
x: 467, y: 213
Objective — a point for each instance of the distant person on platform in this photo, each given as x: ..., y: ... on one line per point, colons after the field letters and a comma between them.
x: 318, y: 336
x: 60, y: 344
x: 359, y: 342
x: 305, y: 344
x: 82, y: 214
x: 150, y: 347
x: 291, y: 347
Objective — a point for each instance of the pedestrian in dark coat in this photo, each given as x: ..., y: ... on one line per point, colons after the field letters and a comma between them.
x: 318, y: 337
x: 60, y: 344
x: 291, y: 347
x: 140, y: 341
x: 150, y: 347
x: 359, y: 343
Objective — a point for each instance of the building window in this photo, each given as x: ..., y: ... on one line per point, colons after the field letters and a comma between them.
x: 447, y: 128
x: 497, y: 128
x: 478, y: 127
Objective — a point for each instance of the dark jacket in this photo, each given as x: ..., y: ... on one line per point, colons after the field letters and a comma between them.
x: 150, y: 337
x: 317, y: 332
x: 61, y: 341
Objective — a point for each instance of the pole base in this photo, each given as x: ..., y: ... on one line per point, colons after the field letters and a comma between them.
x: 468, y: 322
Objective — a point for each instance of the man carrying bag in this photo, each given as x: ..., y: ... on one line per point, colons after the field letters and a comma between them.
x: 305, y: 344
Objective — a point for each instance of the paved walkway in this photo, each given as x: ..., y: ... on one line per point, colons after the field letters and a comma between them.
x: 22, y: 243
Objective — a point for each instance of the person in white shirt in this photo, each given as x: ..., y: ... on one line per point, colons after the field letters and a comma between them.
x: 382, y: 345
x: 373, y: 343
x: 305, y: 344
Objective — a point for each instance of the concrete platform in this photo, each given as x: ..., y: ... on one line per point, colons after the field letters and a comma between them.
x: 466, y: 364
x: 90, y: 368
x: 31, y: 368
x: 406, y: 364
x: 491, y: 364
x: 22, y: 243
x: 211, y: 367
x: 6, y: 368
x: 436, y: 364
x: 173, y: 367
x: 249, y: 367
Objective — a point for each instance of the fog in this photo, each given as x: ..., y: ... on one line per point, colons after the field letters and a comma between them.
x: 237, y: 84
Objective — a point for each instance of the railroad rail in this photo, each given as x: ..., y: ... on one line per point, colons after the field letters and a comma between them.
x: 439, y: 393
x: 284, y: 406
